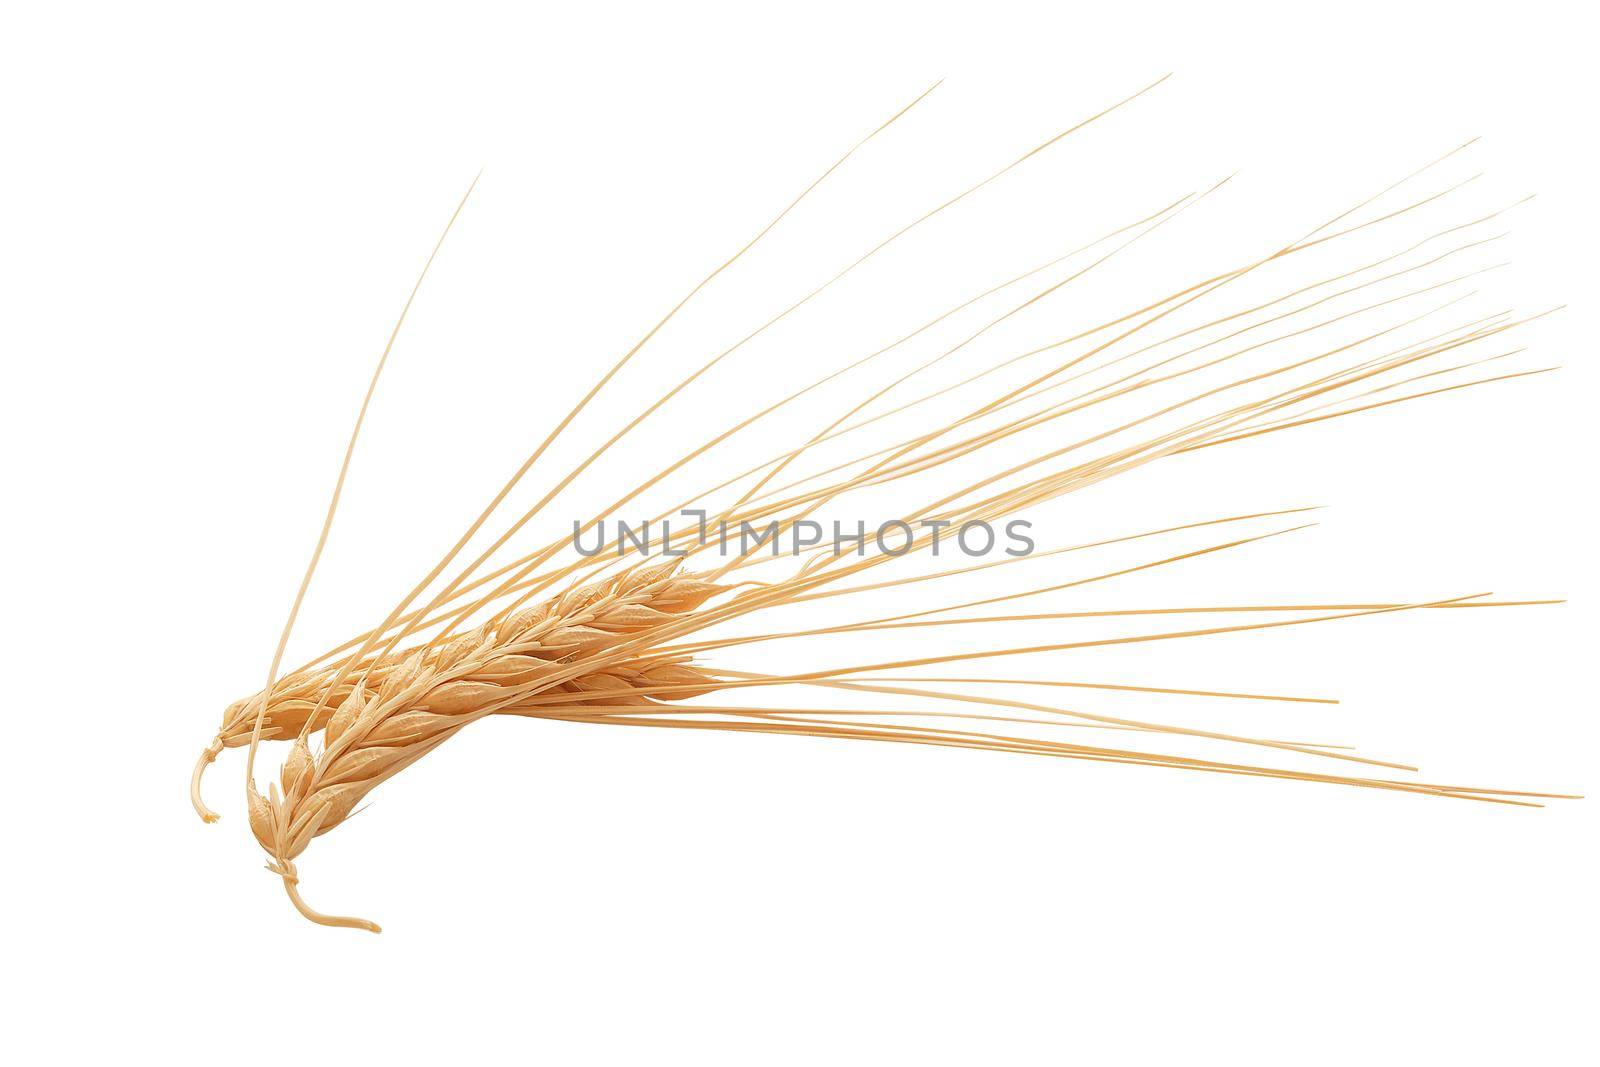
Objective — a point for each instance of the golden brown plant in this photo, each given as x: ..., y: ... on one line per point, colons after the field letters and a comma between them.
x: 624, y: 641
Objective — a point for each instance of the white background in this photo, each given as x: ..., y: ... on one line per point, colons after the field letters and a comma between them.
x: 211, y: 214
